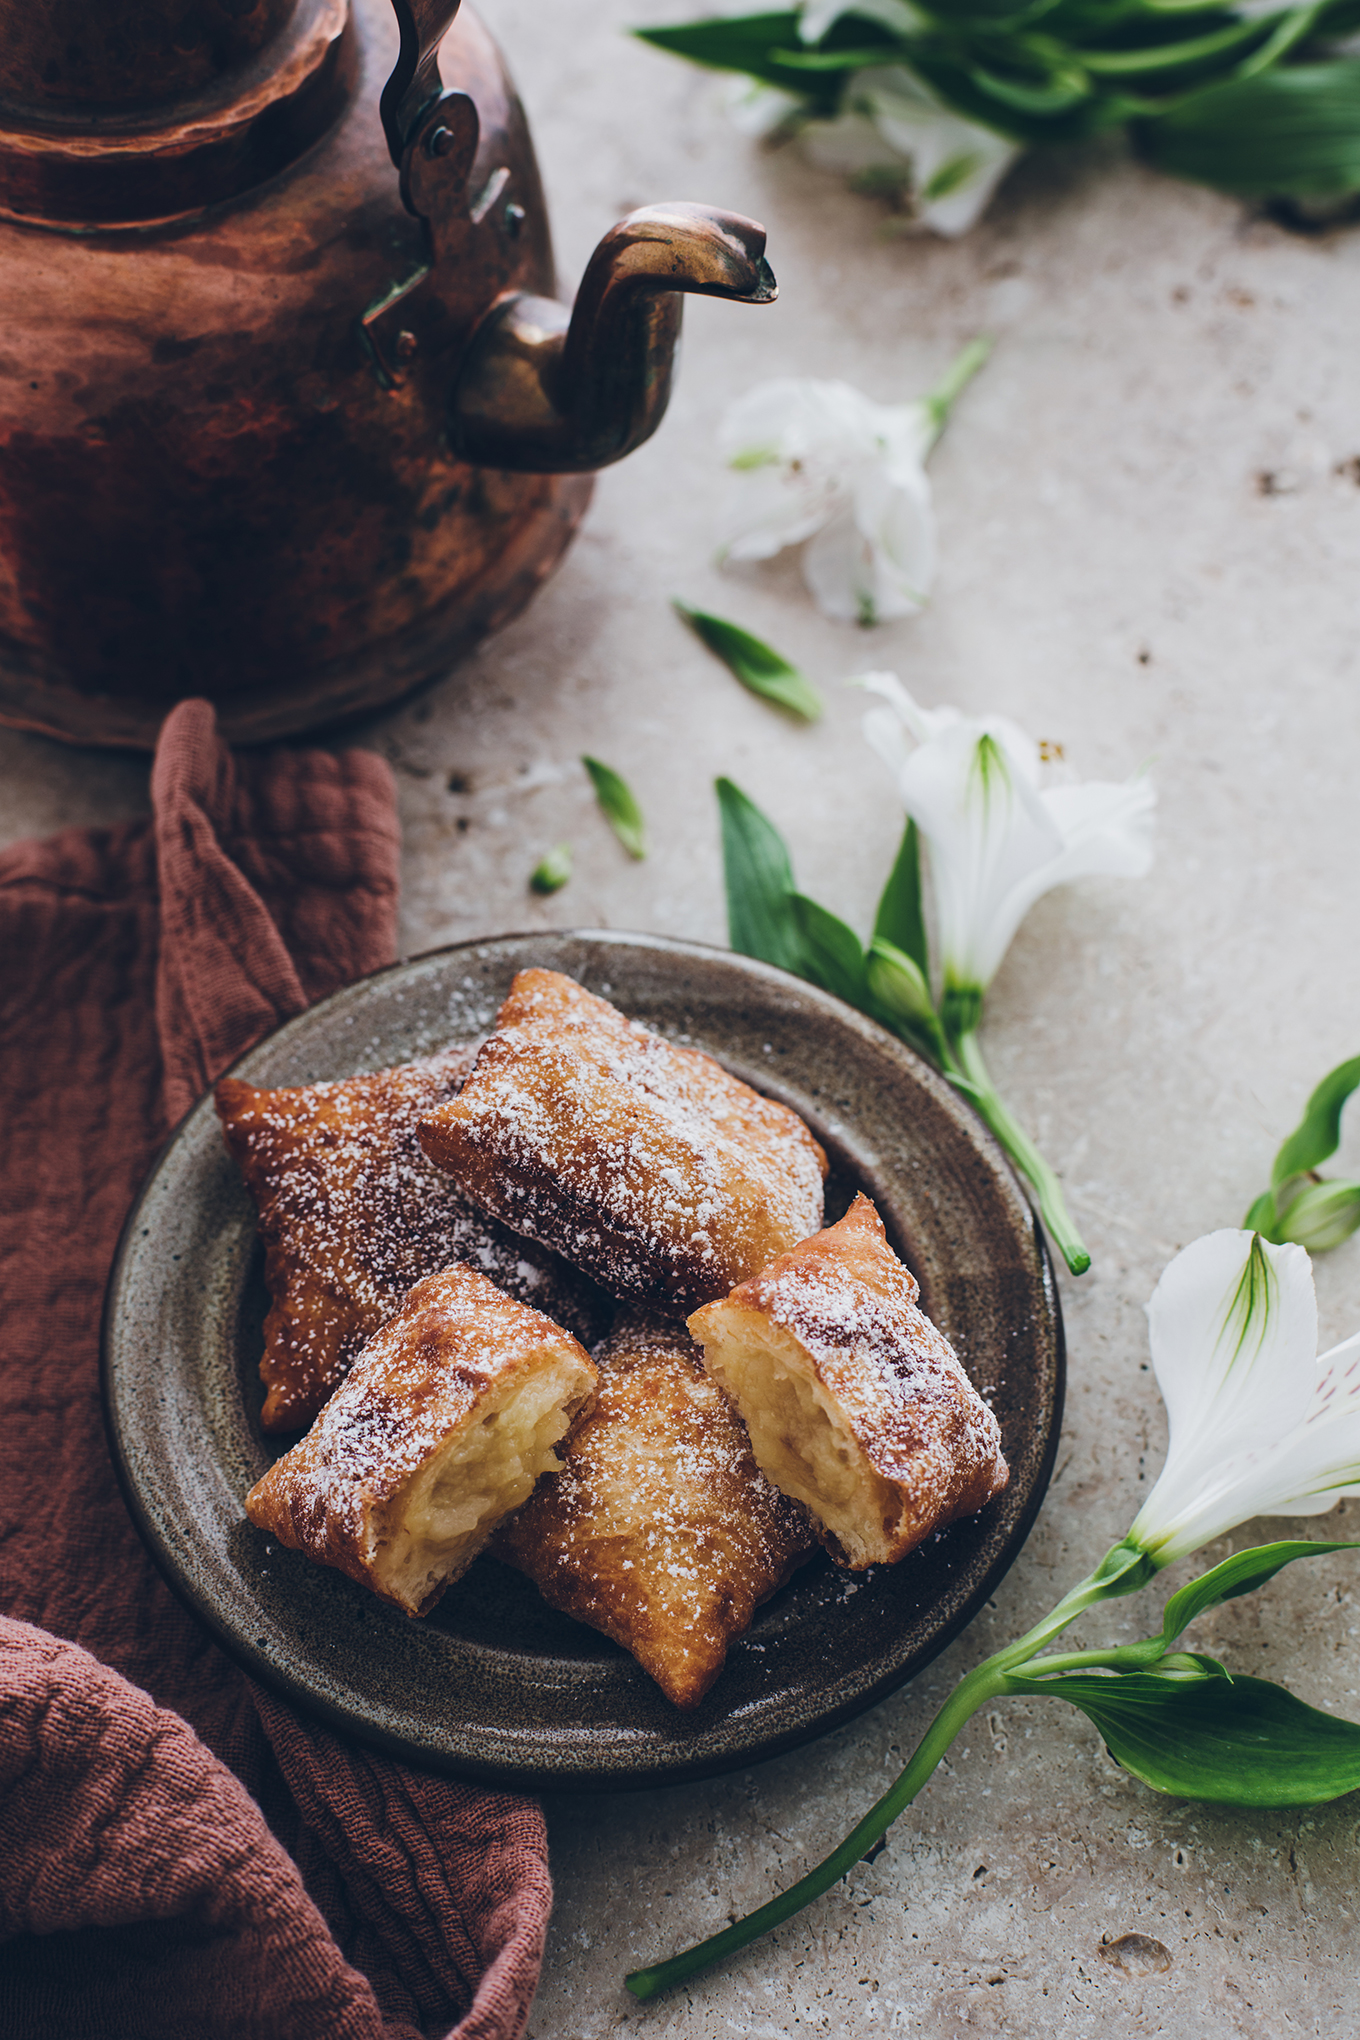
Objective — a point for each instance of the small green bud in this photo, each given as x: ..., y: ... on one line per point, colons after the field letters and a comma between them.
x: 898, y: 984
x: 1322, y: 1216
x: 553, y: 871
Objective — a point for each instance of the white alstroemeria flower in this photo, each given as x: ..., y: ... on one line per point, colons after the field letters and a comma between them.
x: 891, y: 118
x: 997, y: 843
x: 1261, y: 1425
x: 821, y: 462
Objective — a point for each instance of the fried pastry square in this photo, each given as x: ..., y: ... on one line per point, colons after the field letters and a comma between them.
x: 855, y: 1402
x: 659, y: 1529
x: 441, y: 1427
x: 352, y: 1213
x: 642, y: 1162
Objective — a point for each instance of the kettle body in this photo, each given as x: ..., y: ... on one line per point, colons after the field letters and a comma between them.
x: 279, y: 426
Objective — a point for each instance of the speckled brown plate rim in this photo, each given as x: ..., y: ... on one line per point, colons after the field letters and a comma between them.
x: 606, y: 1727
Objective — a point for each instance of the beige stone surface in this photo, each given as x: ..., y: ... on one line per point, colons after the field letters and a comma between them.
x: 1150, y: 529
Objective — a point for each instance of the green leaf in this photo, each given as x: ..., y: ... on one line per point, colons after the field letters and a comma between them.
x: 1321, y: 1216
x: 746, y: 43
x: 1293, y: 131
x: 757, y: 665
x: 899, y: 919
x: 725, y: 43
x: 551, y: 873
x: 618, y: 805
x: 832, y: 955
x: 1318, y: 1215
x: 760, y: 917
x: 1319, y: 1133
x: 1243, y: 1573
x: 1195, y: 1735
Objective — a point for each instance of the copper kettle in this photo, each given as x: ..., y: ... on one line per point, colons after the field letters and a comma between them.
x: 278, y: 426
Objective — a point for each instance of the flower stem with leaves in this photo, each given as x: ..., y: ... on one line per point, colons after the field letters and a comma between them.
x: 985, y: 1683
x: 1258, y: 100
x: 769, y: 918
x: 1259, y: 1425
x: 997, y: 842
x: 1175, y: 1719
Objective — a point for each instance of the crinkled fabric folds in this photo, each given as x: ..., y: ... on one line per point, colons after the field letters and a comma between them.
x: 179, y: 1852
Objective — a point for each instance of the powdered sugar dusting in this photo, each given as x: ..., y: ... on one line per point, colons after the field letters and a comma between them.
x: 659, y: 1530
x: 415, y: 1385
x: 353, y: 1213
x: 643, y: 1162
x: 893, y: 1376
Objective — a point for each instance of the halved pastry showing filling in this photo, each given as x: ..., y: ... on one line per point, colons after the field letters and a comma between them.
x: 440, y: 1429
x: 854, y: 1401
x: 659, y: 1529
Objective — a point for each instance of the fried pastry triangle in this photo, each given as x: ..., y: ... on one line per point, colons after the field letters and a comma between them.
x: 643, y: 1162
x: 352, y: 1214
x: 659, y: 1530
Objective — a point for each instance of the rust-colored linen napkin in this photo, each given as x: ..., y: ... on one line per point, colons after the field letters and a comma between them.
x: 179, y: 1852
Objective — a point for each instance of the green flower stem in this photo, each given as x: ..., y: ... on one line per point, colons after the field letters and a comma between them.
x: 1121, y: 1571
x: 1023, y: 1152
x: 1131, y: 1657
x: 1124, y: 1569
x: 941, y: 400
x: 973, y: 1692
x: 1172, y: 56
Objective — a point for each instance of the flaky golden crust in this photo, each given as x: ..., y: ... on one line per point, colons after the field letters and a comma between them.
x: 659, y: 1530
x: 644, y: 1163
x: 875, y: 1426
x: 352, y: 1213
x: 439, y: 1375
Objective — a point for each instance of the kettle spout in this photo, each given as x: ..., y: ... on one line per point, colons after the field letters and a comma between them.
x: 546, y: 391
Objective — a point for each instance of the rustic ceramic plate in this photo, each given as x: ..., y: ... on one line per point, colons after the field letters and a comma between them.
x: 495, y: 1685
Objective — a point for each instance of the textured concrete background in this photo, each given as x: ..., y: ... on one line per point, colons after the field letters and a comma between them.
x: 1150, y: 523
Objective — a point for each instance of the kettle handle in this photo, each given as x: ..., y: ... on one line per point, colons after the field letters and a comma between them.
x: 415, y: 79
